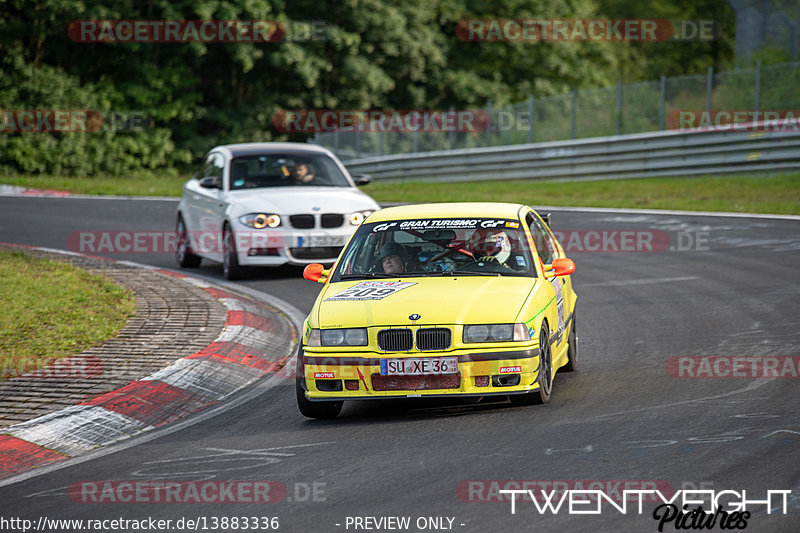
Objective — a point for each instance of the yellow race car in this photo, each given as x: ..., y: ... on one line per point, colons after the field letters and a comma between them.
x: 456, y: 299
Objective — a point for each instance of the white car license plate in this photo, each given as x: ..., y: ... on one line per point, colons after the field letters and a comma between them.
x: 320, y: 240
x: 419, y: 366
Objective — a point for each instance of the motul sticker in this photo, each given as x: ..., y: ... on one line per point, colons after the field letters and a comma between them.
x: 323, y: 375
x: 510, y: 369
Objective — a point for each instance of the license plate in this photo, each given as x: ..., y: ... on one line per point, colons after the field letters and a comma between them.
x: 419, y: 366
x: 320, y: 240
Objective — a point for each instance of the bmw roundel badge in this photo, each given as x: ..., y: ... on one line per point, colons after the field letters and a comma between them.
x: 415, y: 316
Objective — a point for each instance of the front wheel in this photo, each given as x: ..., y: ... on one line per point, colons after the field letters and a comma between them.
x: 545, y: 377
x: 309, y: 409
x: 230, y: 260
x: 572, y: 350
x: 183, y: 250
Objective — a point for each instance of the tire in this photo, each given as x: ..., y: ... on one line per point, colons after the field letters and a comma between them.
x: 183, y: 251
x: 309, y: 409
x: 230, y: 261
x: 572, y: 350
x: 545, y: 377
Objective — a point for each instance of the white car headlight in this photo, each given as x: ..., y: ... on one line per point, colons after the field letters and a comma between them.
x: 338, y: 337
x: 496, y: 333
x: 358, y: 217
x: 260, y: 220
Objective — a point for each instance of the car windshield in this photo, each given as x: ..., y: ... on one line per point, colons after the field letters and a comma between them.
x: 282, y: 170
x: 437, y: 247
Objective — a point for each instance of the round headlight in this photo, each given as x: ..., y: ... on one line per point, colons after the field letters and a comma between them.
x: 501, y: 332
x: 332, y: 337
x: 262, y: 220
x: 356, y: 219
x: 355, y: 337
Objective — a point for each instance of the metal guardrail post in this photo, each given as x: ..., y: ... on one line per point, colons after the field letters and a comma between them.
x: 358, y: 143
x: 489, y: 129
x: 573, y: 112
x: 757, y: 103
x: 662, y: 118
x: 709, y: 87
x: 415, y: 142
x: 451, y: 135
x: 530, y: 118
x: 380, y: 142
x: 619, y: 106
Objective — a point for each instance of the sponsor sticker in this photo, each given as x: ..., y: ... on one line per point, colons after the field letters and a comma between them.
x: 510, y: 369
x: 371, y: 290
x: 324, y: 375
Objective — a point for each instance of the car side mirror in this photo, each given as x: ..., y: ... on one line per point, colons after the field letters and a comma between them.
x: 316, y: 272
x: 361, y: 179
x: 210, y: 183
x: 545, y: 217
x: 560, y: 267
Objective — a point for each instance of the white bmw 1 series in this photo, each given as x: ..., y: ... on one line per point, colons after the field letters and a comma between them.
x: 268, y: 204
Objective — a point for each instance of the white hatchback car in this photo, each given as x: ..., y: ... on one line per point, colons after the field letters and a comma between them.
x: 268, y: 204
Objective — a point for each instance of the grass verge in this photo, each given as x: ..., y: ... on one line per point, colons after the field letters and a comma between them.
x: 167, y: 183
x: 775, y: 193
x: 52, y: 310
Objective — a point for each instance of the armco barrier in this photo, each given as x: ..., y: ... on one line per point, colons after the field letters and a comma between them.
x: 664, y: 153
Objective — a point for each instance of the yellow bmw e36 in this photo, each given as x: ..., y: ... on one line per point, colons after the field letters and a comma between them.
x: 451, y: 299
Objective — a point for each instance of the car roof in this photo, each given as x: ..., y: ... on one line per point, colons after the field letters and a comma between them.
x: 448, y: 210
x: 246, y: 149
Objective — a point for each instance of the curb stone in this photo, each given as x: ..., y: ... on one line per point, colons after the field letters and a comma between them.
x: 198, y: 344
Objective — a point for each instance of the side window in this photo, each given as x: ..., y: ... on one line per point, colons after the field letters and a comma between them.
x: 213, y: 167
x: 543, y: 239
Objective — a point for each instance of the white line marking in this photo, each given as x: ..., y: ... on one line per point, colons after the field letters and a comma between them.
x: 751, y: 386
x: 623, y: 283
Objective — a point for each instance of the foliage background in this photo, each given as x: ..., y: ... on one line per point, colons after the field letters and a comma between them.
x: 376, y: 54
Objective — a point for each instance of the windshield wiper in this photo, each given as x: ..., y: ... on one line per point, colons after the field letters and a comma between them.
x: 370, y: 275
x: 468, y: 273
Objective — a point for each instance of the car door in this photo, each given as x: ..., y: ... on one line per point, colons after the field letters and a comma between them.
x: 548, y: 250
x: 208, y: 206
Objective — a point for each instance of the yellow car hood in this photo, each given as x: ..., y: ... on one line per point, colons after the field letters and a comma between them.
x: 439, y: 300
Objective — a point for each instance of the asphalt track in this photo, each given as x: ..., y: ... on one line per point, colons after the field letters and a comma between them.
x: 621, y: 417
